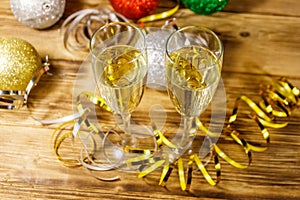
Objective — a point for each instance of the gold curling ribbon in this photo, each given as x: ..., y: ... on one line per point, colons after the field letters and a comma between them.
x: 228, y: 159
x: 139, y: 159
x: 189, y: 175
x: 80, y: 119
x: 166, y: 172
x: 151, y: 168
x: 161, y: 15
x: 58, y: 138
x: 95, y: 99
x: 184, y: 180
x: 278, y: 100
x: 280, y: 93
x: 285, y: 98
x: 181, y: 173
x: 161, y: 139
x: 205, y: 173
x: 204, y: 129
x: 76, y: 121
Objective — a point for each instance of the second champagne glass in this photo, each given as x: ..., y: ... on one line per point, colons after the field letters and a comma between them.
x: 119, y: 62
x: 193, y: 68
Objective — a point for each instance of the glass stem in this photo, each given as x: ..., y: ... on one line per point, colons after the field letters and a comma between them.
x: 126, y: 123
x: 129, y: 139
x: 188, y: 131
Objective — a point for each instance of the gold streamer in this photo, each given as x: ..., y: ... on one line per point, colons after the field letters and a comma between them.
x: 151, y: 168
x: 167, y: 170
x: 228, y: 159
x: 189, y: 175
x: 161, y: 139
x: 278, y: 100
x: 204, y: 129
x: 81, y: 119
x: 185, y: 183
x: 161, y: 15
x: 281, y: 93
x: 181, y: 174
x: 58, y: 138
x: 205, y: 173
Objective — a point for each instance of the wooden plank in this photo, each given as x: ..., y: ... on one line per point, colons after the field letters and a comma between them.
x: 264, y: 38
x: 275, y: 7
x: 261, y: 42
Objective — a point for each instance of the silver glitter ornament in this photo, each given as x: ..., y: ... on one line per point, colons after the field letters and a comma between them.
x: 156, y: 41
x: 39, y: 14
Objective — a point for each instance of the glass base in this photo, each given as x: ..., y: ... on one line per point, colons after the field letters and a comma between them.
x: 127, y: 149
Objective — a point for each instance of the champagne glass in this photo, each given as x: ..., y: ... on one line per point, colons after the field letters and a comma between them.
x: 193, y: 63
x: 119, y: 62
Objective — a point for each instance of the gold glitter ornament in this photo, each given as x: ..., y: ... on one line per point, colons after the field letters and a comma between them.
x: 19, y: 62
x: 20, y: 69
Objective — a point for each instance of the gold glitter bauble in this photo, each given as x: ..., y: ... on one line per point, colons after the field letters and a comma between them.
x: 19, y: 62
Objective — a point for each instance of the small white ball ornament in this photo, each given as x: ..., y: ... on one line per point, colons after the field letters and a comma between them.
x: 38, y: 14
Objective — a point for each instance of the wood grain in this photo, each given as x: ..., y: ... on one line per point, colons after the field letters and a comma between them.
x: 261, y: 41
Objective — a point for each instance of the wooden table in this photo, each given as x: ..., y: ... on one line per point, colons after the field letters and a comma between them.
x: 262, y: 43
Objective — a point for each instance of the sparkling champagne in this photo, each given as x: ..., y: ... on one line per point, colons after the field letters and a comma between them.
x: 122, y: 78
x: 192, y: 75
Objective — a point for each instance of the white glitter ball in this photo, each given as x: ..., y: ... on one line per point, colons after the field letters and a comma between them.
x: 39, y: 14
x: 156, y: 41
